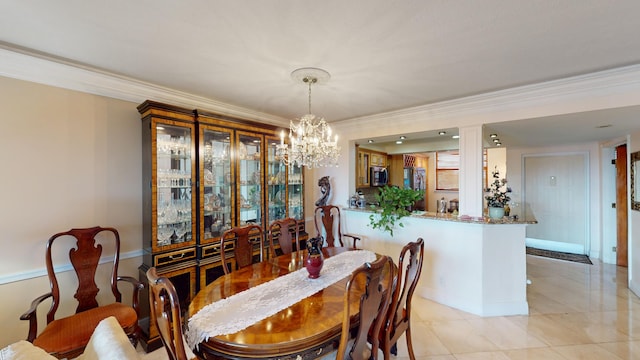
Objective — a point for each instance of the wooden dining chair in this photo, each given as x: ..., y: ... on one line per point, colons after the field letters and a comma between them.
x: 287, y: 233
x: 373, y: 282
x: 328, y: 217
x: 164, y: 306
x: 245, y: 239
x: 399, y: 314
x: 66, y: 337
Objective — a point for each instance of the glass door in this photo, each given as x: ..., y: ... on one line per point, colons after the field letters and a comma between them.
x: 276, y: 183
x: 216, y: 174
x: 250, y: 178
x: 174, y: 206
x: 295, y: 189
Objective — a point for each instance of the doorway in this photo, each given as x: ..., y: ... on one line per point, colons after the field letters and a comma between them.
x: 556, y: 191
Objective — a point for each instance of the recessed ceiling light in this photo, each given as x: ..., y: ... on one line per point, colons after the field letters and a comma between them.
x: 496, y: 140
x: 498, y: 144
x: 370, y: 141
x: 493, y: 136
x: 455, y: 137
x: 402, y: 137
x: 398, y: 142
x: 442, y: 132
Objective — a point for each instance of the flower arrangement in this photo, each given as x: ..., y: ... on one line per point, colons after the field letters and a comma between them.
x: 498, y: 191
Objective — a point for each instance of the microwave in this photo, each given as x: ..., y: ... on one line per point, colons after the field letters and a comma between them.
x: 379, y: 176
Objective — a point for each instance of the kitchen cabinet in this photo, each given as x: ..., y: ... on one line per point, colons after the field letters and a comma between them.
x: 366, y: 158
x: 362, y: 168
x: 378, y: 159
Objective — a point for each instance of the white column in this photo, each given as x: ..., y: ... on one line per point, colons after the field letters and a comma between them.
x: 471, y: 192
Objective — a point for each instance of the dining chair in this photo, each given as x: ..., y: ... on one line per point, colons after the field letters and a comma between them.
x: 329, y: 217
x: 245, y: 239
x: 66, y: 337
x: 164, y: 306
x: 398, y: 319
x: 287, y: 233
x: 373, y: 282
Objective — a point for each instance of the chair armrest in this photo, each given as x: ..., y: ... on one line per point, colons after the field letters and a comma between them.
x: 32, y: 315
x: 355, y: 239
x: 137, y: 287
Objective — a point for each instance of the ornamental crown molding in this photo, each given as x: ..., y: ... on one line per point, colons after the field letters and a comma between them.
x: 23, y: 65
x: 611, y: 88
x: 603, y: 89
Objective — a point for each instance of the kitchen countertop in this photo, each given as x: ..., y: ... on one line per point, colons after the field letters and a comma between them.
x: 456, y: 218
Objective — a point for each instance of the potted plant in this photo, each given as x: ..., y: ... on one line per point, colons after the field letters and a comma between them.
x: 394, y: 204
x: 497, y: 198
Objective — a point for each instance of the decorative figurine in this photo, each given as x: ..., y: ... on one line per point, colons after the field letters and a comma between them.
x: 325, y: 189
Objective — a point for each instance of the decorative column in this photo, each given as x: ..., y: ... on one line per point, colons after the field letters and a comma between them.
x: 470, y: 180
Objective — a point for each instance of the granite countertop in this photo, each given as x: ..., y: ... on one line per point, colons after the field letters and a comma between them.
x: 457, y: 218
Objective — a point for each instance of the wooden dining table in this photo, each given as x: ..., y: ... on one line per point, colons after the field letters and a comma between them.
x: 305, y: 330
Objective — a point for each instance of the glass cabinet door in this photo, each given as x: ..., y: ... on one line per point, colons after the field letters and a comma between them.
x: 276, y: 183
x: 250, y: 178
x: 174, y: 149
x: 216, y: 197
x: 295, y: 192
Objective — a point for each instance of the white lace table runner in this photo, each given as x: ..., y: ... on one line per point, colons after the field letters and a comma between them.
x: 239, y: 311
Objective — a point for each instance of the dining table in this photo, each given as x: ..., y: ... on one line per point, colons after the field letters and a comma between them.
x: 273, y: 310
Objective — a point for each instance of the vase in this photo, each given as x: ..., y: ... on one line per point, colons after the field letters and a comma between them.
x: 496, y: 212
x: 314, y: 260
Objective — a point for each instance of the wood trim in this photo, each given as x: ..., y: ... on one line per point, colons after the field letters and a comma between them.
x: 621, y: 206
x: 237, y: 123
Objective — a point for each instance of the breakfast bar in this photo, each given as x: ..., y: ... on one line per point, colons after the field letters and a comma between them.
x: 477, y: 265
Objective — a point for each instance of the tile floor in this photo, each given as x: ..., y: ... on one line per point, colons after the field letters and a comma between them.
x: 577, y: 311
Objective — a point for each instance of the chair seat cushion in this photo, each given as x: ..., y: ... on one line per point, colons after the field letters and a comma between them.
x: 73, y: 332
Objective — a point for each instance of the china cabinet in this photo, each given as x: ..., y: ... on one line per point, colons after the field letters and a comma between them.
x: 203, y: 174
x: 249, y: 189
x: 277, y: 195
x: 169, y: 205
x: 295, y: 193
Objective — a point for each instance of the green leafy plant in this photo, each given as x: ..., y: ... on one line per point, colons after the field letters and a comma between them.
x: 394, y: 204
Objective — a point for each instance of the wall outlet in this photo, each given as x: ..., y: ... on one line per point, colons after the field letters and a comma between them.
x: 614, y: 249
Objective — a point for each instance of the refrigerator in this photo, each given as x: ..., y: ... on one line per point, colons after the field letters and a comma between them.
x: 416, y: 178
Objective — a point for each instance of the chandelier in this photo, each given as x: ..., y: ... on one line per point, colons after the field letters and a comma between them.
x: 310, y: 141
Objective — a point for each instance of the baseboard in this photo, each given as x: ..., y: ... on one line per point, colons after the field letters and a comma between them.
x: 634, y: 287
x: 555, y: 246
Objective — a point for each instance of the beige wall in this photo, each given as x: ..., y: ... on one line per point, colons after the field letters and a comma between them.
x: 68, y: 159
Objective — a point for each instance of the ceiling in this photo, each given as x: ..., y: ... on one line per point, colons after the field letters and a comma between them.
x: 382, y: 55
